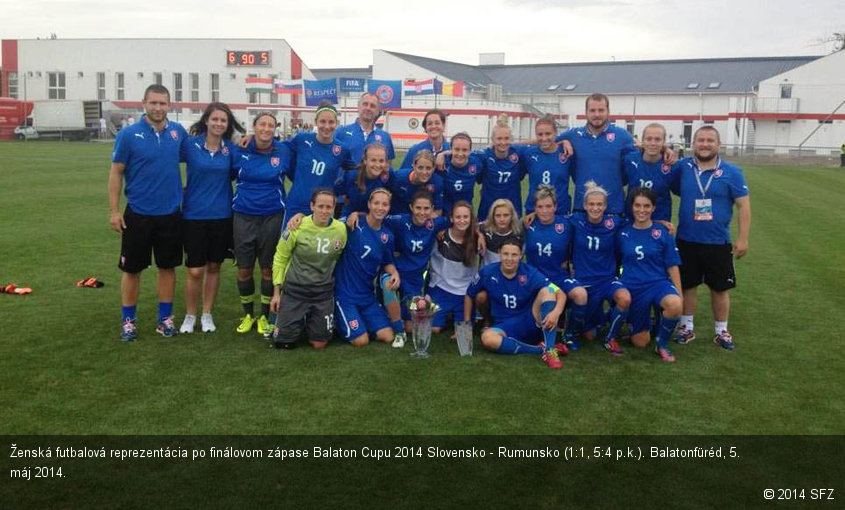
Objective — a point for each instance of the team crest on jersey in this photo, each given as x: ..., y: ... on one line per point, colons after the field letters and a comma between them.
x: 225, y: 150
x: 384, y: 177
x: 378, y: 138
x: 656, y: 233
x: 430, y: 188
x: 336, y: 150
x: 286, y: 235
x: 384, y: 238
x: 559, y: 228
x: 608, y: 223
x: 384, y: 93
x: 562, y: 157
x: 665, y: 169
x: 174, y: 134
x: 274, y: 161
x: 717, y: 173
x: 353, y: 324
x: 337, y: 244
x: 611, y: 137
x: 471, y: 169
x: 523, y: 279
x: 513, y: 158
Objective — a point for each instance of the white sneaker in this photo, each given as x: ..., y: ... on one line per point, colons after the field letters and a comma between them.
x: 207, y: 323
x: 398, y: 341
x: 188, y: 324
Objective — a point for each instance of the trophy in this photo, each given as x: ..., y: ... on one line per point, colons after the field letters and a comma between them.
x: 422, y: 310
x: 463, y: 332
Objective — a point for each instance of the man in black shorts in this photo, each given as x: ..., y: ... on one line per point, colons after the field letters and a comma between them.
x: 146, y: 155
x: 709, y: 188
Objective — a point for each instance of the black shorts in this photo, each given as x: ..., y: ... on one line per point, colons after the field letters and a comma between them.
x: 256, y: 237
x: 143, y: 234
x: 296, y: 315
x: 712, y: 264
x: 206, y: 241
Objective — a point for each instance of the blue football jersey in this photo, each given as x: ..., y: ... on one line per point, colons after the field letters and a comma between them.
x: 509, y: 297
x: 367, y: 252
x: 356, y: 200
x: 595, y: 258
x: 403, y: 191
x: 259, y: 188
x: 658, y: 177
x: 316, y: 165
x: 547, y: 247
x: 550, y: 168
x: 413, y: 242
x: 459, y: 182
x: 646, y: 254
x: 408, y: 160
x: 501, y: 178
x: 353, y: 138
x: 208, y: 189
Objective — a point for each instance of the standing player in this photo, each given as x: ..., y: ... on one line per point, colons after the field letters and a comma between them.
x: 503, y: 170
x: 647, y: 169
x: 369, y: 250
x: 207, y: 209
x: 525, y: 307
x: 709, y: 188
x: 460, y: 172
x: 363, y: 132
x: 258, y: 205
x: 595, y: 266
x: 454, y: 263
x: 650, y: 272
x: 303, y: 275
x: 146, y: 154
x: 408, y: 181
x: 356, y: 185
x: 547, y: 164
x: 434, y: 124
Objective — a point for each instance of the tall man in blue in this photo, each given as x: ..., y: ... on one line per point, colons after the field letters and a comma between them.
x: 600, y: 149
x: 363, y: 131
x: 146, y: 155
x: 709, y: 188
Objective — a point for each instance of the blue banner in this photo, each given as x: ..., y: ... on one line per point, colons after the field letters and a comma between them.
x: 389, y: 92
x: 351, y: 84
x: 320, y: 90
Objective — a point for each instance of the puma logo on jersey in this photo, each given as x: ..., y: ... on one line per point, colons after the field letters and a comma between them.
x: 535, y: 158
x: 308, y: 143
x: 245, y: 157
x: 635, y: 164
x: 140, y: 135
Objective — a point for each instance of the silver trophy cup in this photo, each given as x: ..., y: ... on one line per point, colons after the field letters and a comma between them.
x: 463, y: 332
x: 421, y: 332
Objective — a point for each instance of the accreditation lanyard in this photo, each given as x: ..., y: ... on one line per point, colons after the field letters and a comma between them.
x: 704, y: 206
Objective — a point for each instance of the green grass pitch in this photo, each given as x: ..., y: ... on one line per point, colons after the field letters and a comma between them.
x: 64, y: 371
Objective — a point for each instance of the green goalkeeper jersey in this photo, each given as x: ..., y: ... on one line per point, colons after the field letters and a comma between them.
x: 305, y: 258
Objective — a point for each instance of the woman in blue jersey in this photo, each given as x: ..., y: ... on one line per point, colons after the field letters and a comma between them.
x: 319, y: 159
x: 369, y: 250
x: 595, y: 266
x: 647, y: 169
x: 434, y: 124
x: 547, y: 164
x: 548, y: 243
x: 503, y: 170
x: 650, y: 263
x: 407, y: 181
x: 258, y: 205
x: 207, y: 209
x: 454, y: 263
x: 372, y: 173
x: 524, y: 304
x: 460, y: 172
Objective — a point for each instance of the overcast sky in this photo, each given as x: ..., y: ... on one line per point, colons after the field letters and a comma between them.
x: 344, y: 33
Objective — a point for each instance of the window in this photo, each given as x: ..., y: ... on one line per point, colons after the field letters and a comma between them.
x: 781, y: 121
x: 118, y: 83
x: 252, y: 96
x: 629, y: 125
x: 826, y: 121
x: 177, y: 87
x: 571, y: 86
x: 552, y: 88
x: 194, y: 79
x: 214, y: 79
x: 157, y: 78
x: 693, y: 85
x: 13, y: 85
x: 274, y: 98
x: 714, y: 85
x: 101, y: 86
x: 786, y: 91
x: 56, y: 86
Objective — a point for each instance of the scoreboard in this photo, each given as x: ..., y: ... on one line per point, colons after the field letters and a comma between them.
x: 236, y: 58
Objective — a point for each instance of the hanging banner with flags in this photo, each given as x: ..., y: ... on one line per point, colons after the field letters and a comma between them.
x: 388, y: 92
x: 351, y: 84
x: 258, y: 85
x: 287, y: 86
x: 423, y: 87
x: 453, y: 89
x: 320, y: 90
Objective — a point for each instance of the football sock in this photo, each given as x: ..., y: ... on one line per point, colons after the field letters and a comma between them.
x: 128, y: 313
x: 398, y: 326
x: 617, y: 317
x: 548, y: 334
x: 721, y: 326
x: 575, y: 324
x: 513, y: 346
x: 665, y: 330
x: 246, y: 289
x: 266, y: 296
x: 165, y: 310
x: 687, y: 322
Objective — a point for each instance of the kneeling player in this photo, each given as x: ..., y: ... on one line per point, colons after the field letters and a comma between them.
x: 303, y: 270
x: 525, y: 307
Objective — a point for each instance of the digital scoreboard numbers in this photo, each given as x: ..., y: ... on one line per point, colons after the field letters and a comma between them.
x: 247, y: 58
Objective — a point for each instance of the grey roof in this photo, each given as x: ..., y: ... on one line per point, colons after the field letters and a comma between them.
x: 452, y: 70
x: 348, y: 72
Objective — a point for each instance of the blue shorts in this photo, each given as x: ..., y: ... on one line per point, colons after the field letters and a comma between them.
x: 566, y: 285
x: 353, y: 319
x: 450, y: 305
x: 643, y: 299
x: 410, y: 285
x: 596, y: 296
x: 522, y: 327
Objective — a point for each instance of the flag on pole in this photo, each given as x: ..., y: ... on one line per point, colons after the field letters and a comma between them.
x: 388, y: 92
x: 317, y: 91
x: 254, y: 85
x: 420, y: 88
x: 454, y: 89
x: 287, y: 86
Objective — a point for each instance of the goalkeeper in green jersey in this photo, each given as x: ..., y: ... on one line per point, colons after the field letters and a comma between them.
x: 303, y: 275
